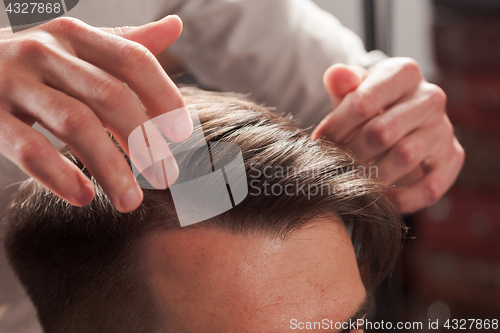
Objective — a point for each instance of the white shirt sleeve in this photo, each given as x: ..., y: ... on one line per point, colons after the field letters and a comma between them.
x: 276, y: 50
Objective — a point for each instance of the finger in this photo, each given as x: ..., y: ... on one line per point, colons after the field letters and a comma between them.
x: 432, y: 186
x: 385, y: 85
x: 76, y: 124
x: 120, y: 111
x: 151, y: 156
x: 340, y: 79
x: 382, y: 132
x: 135, y: 65
x: 113, y: 102
x: 409, y: 152
x: 156, y: 36
x: 36, y: 156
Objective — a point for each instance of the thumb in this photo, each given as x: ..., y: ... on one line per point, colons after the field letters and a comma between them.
x: 340, y: 79
x: 156, y: 36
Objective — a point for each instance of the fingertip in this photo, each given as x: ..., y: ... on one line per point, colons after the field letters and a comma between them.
x: 177, y: 125
x: 71, y: 184
x: 335, y: 71
x: 130, y: 200
x: 324, y: 129
x: 328, y: 77
x: 162, y: 174
x: 317, y: 133
x: 156, y: 36
x: 174, y: 25
x: 175, y: 17
x: 181, y: 129
x: 341, y: 79
x: 85, y: 196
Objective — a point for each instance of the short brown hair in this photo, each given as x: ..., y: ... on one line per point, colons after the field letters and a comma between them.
x: 81, y: 266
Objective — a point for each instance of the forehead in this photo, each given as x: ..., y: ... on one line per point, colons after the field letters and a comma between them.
x: 239, y: 283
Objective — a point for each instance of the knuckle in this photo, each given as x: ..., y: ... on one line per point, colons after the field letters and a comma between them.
x: 364, y: 104
x: 30, y: 47
x: 460, y: 153
x: 448, y: 127
x: 65, y: 24
x: 111, y: 94
x: 380, y: 134
x: 134, y: 55
x: 410, y: 67
x: 28, y: 151
x: 408, y: 154
x: 433, y: 190
x: 39, y: 46
x: 437, y: 96
x: 73, y: 121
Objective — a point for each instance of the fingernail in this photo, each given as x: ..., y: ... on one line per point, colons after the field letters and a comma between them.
x: 176, y: 125
x: 131, y: 199
x: 182, y: 128
x: 169, y: 169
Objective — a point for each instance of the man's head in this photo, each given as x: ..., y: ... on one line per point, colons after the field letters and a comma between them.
x: 311, y: 241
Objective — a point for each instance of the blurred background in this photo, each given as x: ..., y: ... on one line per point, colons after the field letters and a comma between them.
x: 450, y: 268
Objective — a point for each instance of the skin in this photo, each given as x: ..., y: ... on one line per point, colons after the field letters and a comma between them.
x: 392, y: 118
x: 214, y: 281
x: 69, y: 77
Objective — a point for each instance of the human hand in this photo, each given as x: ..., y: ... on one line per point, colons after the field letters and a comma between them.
x: 392, y: 118
x: 73, y: 79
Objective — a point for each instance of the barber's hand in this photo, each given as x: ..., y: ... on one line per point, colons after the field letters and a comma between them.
x: 392, y: 118
x: 70, y: 77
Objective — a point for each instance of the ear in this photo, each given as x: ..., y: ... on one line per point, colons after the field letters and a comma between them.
x: 340, y: 79
x: 156, y: 36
